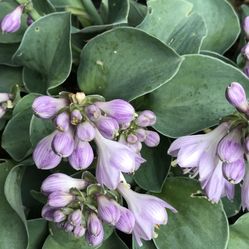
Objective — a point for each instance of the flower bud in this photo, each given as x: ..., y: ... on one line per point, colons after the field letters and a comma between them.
x: 126, y: 221
x: 82, y: 155
x: 59, y: 216
x: 246, y: 26
x: 246, y: 69
x: 68, y: 227
x: 234, y: 172
x: 44, y: 156
x: 93, y: 112
x: 140, y: 134
x: 85, y: 131
x: 118, y: 109
x: 152, y: 139
x: 63, y: 143
x: 94, y: 225
x: 4, y: 97
x: 107, y: 126
x: 245, y: 51
x: 132, y: 139
x: 12, y: 22
x: 79, y: 231
x: 75, y: 217
x: 76, y: 117
x: 95, y: 240
x: 146, y: 118
x: 29, y: 20
x: 59, y: 199
x: 48, y: 212
x: 236, y: 96
x: 80, y: 97
x: 46, y: 107
x: 61, y: 182
x: 108, y: 210
x: 62, y: 121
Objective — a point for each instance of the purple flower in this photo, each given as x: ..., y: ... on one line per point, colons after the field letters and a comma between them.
x: 68, y: 227
x: 132, y: 139
x: 85, y: 131
x: 246, y: 69
x: 48, y: 212
x: 59, y: 216
x: 75, y: 217
x: 29, y: 20
x: 140, y: 134
x: 152, y: 139
x: 245, y: 51
x: 76, y: 117
x: 46, y: 107
x: 149, y: 211
x: 246, y: 26
x: 93, y: 112
x: 118, y: 109
x: 107, y: 126
x: 146, y: 118
x: 126, y: 221
x: 235, y: 171
x: 94, y: 225
x: 59, y: 199
x: 62, y: 121
x: 113, y: 158
x: 230, y: 148
x: 61, y: 182
x: 4, y: 97
x: 82, y: 155
x: 63, y: 143
x: 12, y: 22
x: 236, y: 96
x: 245, y: 191
x: 44, y: 156
x: 95, y: 240
x: 79, y: 231
x: 108, y: 210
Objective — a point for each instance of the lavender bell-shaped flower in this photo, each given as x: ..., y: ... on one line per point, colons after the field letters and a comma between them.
x: 46, y: 107
x: 59, y: 216
x: 63, y: 143
x: 118, y: 109
x: 146, y: 118
x: 246, y: 68
x: 95, y: 230
x: 68, y: 227
x: 149, y: 211
x: 79, y: 231
x: 93, y: 112
x: 113, y: 158
x: 152, y: 139
x: 108, y: 210
x: 59, y: 199
x: 246, y: 26
x: 85, y: 131
x: 236, y: 96
x: 245, y: 191
x: 62, y: 121
x: 44, y: 156
x: 61, y: 182
x: 76, y: 117
x: 75, y: 217
x: 234, y: 172
x: 107, y: 126
x: 140, y: 134
x: 48, y: 212
x: 12, y: 22
x: 230, y: 148
x: 245, y: 51
x: 82, y: 155
x: 126, y: 221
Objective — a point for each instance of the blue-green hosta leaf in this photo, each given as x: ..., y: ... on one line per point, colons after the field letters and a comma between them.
x: 195, y: 98
x: 45, y: 53
x: 222, y: 24
x: 118, y: 69
x: 198, y: 223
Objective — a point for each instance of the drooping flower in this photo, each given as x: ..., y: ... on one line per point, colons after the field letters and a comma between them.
x: 146, y: 118
x: 152, y: 139
x: 246, y: 26
x: 107, y: 126
x: 59, y: 216
x: 79, y: 231
x: 149, y: 211
x: 75, y: 217
x: 62, y: 121
x: 59, y: 199
x: 61, y: 182
x: 85, y: 131
x: 245, y: 191
x: 12, y: 21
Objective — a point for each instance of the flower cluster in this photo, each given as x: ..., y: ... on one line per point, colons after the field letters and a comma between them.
x: 81, y: 207
x: 87, y: 127
x: 245, y: 49
x: 5, y: 103
x: 219, y: 157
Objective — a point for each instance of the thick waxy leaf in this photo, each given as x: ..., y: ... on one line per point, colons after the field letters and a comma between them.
x: 59, y: 239
x: 198, y: 223
x: 113, y: 242
x: 137, y: 13
x: 222, y: 24
x: 153, y: 172
x: 15, y: 138
x: 6, y: 52
x: 45, y: 52
x: 239, y: 237
x: 38, y: 230
x: 195, y: 98
x: 43, y: 7
x: 9, y: 76
x: 5, y: 8
x: 115, y: 68
x: 13, y: 232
